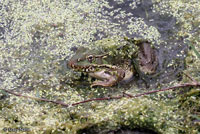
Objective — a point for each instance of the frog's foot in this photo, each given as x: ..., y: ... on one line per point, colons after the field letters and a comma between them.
x: 105, y: 83
x: 107, y: 79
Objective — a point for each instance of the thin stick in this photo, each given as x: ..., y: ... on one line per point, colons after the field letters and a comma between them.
x: 105, y: 98
x: 187, y: 75
x: 35, y: 98
x: 165, y: 89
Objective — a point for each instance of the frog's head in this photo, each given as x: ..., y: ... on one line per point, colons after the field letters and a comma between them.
x: 86, y: 60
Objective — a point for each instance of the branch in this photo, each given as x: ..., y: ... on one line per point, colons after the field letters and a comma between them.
x: 35, y: 98
x: 165, y: 89
x: 194, y: 84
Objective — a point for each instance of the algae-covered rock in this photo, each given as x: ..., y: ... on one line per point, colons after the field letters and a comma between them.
x: 36, y: 37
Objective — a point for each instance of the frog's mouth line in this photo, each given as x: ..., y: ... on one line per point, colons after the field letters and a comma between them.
x: 91, y: 68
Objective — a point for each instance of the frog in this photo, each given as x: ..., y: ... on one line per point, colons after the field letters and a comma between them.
x: 108, y: 68
x: 113, y: 64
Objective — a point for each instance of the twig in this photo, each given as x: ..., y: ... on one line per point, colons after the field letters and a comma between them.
x: 169, y: 88
x: 195, y: 84
x: 96, y: 99
x: 35, y: 98
x: 187, y: 75
x: 126, y: 94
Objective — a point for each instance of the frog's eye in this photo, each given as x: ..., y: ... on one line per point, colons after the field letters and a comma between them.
x: 90, y: 58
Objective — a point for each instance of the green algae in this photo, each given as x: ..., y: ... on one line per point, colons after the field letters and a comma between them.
x: 35, y: 36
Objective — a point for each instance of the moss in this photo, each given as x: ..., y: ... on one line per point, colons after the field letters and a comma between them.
x: 36, y: 38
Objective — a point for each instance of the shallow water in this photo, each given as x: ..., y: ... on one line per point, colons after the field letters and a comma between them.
x: 38, y: 37
x: 171, y: 48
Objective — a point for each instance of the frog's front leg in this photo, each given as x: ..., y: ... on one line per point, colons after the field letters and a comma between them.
x: 106, y: 78
x: 106, y: 83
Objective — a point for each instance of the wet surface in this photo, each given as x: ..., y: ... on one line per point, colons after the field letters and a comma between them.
x: 36, y: 36
x: 171, y: 50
